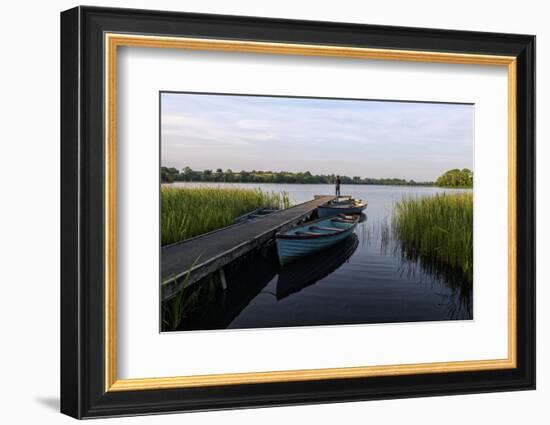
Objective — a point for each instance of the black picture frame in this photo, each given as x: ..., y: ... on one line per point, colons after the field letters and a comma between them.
x: 83, y: 392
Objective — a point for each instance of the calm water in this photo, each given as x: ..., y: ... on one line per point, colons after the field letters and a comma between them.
x: 363, y: 280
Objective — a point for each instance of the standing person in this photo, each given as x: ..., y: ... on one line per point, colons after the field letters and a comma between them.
x: 337, y: 185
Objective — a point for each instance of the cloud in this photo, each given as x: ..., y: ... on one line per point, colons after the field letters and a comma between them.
x: 365, y: 138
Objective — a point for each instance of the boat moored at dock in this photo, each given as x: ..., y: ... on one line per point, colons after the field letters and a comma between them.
x: 342, y: 205
x: 314, y: 236
x: 186, y: 262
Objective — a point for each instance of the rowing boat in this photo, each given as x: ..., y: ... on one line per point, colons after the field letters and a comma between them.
x: 314, y: 236
x: 352, y: 206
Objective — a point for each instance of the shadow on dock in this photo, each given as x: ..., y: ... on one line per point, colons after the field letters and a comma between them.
x: 245, y: 279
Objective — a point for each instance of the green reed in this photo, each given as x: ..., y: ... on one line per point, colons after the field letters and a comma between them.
x: 191, y: 211
x: 188, y: 299
x: 439, y: 228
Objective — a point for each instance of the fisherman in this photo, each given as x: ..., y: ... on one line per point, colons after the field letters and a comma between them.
x: 337, y: 182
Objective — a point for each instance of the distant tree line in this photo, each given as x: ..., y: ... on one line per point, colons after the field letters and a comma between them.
x: 456, y: 178
x: 171, y: 174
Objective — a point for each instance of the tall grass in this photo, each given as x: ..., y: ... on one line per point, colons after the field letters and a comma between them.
x: 188, y: 212
x: 439, y: 228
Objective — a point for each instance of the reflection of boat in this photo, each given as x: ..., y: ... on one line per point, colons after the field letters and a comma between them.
x: 362, y: 218
x: 314, y: 236
x: 307, y: 271
x: 341, y: 205
x: 246, y: 278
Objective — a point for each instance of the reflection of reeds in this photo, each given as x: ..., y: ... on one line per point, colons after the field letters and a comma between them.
x: 188, y: 212
x: 380, y: 231
x: 385, y: 236
x: 436, y: 233
x: 459, y: 297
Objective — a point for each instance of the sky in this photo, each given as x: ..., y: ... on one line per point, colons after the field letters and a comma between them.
x: 365, y: 138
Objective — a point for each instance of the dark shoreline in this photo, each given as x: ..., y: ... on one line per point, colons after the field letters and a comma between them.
x: 346, y: 184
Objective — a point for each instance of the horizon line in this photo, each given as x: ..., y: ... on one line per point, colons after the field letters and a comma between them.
x: 312, y: 174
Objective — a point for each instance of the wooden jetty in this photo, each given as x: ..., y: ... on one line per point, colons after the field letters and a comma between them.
x: 205, y: 254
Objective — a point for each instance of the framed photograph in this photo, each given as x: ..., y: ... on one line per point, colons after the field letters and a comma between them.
x: 261, y: 212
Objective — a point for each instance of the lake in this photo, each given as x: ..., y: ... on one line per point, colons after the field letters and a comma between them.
x: 363, y: 280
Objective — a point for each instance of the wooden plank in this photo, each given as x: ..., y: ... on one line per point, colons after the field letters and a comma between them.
x: 215, y: 249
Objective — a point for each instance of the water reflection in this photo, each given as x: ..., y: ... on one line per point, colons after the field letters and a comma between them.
x: 368, y: 278
x: 300, y: 274
x: 245, y: 280
x: 459, y: 285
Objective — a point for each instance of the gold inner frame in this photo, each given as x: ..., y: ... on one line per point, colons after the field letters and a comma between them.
x: 113, y: 41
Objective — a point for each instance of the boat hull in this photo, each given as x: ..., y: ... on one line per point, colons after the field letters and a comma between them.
x: 290, y: 250
x: 327, y: 211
